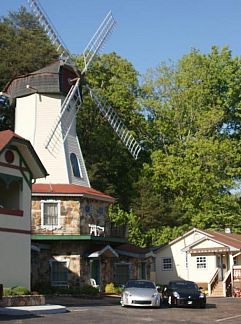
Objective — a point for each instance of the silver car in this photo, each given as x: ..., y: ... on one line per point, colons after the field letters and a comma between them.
x: 140, y: 293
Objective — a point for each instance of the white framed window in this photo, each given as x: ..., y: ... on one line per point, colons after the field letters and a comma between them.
x: 201, y: 262
x: 50, y: 213
x: 166, y: 264
x: 75, y: 166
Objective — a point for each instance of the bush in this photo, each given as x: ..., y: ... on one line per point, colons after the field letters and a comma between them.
x: 89, y: 290
x: 15, y: 291
x: 6, y: 292
x: 110, y: 288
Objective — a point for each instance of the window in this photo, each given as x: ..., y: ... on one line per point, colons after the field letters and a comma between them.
x: 166, y: 264
x: 50, y: 213
x: 58, y: 273
x: 122, y: 273
x: 10, y: 191
x: 201, y: 262
x: 75, y: 166
x: 142, y: 270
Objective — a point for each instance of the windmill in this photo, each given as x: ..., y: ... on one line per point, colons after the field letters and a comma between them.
x: 73, y: 100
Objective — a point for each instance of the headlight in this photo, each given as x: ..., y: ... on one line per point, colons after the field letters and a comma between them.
x: 155, y: 295
x: 201, y: 295
x: 176, y: 294
x: 127, y: 294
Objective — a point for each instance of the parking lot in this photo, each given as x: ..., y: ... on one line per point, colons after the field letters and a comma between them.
x: 108, y: 310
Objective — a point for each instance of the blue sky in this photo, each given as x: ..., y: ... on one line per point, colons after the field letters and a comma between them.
x: 148, y: 31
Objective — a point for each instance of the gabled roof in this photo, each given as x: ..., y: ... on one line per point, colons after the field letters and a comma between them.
x: 231, y: 240
x: 68, y: 190
x: 27, y: 151
x: 133, y: 250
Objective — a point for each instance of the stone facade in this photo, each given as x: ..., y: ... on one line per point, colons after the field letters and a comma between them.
x: 75, y: 216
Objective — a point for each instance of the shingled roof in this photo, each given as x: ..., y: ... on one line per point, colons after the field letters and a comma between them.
x: 69, y: 190
x: 26, y: 149
x: 51, y: 79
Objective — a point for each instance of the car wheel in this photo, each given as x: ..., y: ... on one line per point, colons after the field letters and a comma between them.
x: 202, y: 305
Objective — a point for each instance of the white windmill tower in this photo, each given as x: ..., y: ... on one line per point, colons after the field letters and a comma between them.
x: 49, y: 99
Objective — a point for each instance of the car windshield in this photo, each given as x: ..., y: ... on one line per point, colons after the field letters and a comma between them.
x: 140, y: 284
x: 184, y: 285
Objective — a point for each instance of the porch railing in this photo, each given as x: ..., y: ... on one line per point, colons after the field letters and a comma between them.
x: 213, y: 282
x: 227, y: 285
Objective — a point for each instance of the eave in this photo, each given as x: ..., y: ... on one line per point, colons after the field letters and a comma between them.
x: 42, y: 237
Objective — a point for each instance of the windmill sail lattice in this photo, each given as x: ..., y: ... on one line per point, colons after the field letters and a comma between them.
x: 114, y: 120
x: 73, y: 101
x: 66, y: 118
x: 98, y: 40
x: 49, y: 29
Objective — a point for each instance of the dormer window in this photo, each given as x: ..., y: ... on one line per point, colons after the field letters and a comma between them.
x: 75, y: 166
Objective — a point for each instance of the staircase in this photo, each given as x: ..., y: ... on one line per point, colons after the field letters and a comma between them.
x: 218, y: 290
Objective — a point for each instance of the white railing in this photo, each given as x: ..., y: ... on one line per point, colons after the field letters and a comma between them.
x: 213, y: 282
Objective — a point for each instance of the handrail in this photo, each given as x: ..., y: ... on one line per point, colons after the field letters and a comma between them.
x: 212, y: 282
x: 227, y: 291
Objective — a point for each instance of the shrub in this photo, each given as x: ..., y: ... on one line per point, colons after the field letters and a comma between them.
x: 89, y: 290
x: 6, y: 292
x: 18, y: 290
x: 110, y: 288
x: 15, y: 291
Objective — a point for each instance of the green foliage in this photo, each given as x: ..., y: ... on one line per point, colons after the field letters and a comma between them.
x: 6, y: 291
x: 110, y: 166
x: 89, y: 290
x: 15, y: 291
x: 193, y: 112
x: 24, y: 48
x: 110, y: 288
x: 46, y: 289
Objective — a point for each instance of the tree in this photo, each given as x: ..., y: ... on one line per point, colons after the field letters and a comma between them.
x: 193, y: 112
x: 110, y: 166
x: 24, y: 48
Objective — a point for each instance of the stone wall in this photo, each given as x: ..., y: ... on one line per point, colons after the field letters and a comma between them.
x: 75, y: 216
x: 25, y: 300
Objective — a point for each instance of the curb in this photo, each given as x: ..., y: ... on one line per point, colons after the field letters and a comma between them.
x: 32, y: 310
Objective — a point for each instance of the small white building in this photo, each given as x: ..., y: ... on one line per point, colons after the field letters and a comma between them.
x: 19, y: 167
x: 211, y: 259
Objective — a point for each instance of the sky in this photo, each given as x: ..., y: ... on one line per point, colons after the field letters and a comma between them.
x: 148, y: 32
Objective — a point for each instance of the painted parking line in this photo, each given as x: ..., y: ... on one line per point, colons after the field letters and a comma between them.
x: 227, y: 318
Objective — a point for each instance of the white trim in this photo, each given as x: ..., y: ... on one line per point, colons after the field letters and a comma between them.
x: 95, y: 197
x: 52, y: 227
x: 171, y: 263
x: 206, y: 262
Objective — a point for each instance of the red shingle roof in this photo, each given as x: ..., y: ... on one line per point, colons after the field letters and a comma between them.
x: 69, y: 189
x: 6, y: 137
x: 26, y: 149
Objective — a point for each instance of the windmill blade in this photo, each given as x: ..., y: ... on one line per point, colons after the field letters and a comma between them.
x: 55, y: 39
x: 64, y: 121
x: 98, y: 40
x: 116, y: 123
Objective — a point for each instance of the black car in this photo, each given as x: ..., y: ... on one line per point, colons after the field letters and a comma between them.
x: 184, y: 293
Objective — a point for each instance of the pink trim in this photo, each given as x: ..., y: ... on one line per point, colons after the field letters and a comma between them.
x: 12, y: 212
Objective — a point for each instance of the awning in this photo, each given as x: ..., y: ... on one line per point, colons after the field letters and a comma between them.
x: 107, y: 251
x: 209, y: 250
